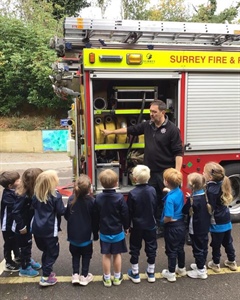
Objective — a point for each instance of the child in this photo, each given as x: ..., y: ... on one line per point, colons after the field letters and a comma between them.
x: 142, y: 204
x: 22, y: 215
x: 9, y: 180
x: 79, y: 216
x: 199, y: 211
x: 174, y: 226
x: 112, y: 219
x: 48, y: 206
x: 220, y: 196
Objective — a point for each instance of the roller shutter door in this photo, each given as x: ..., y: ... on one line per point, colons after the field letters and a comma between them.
x: 213, y: 111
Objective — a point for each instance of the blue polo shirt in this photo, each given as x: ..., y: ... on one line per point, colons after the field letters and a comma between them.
x: 173, y: 204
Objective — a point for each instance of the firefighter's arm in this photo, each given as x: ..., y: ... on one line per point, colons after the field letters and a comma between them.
x: 116, y: 131
x: 178, y: 163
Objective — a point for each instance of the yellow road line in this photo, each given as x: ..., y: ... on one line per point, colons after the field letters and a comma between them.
x: 17, y: 280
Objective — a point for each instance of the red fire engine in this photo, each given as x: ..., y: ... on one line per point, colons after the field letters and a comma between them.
x: 113, y: 69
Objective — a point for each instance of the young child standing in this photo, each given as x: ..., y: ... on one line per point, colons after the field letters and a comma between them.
x: 220, y: 196
x: 9, y: 180
x: 174, y: 226
x: 112, y: 219
x: 142, y: 204
x: 199, y: 211
x: 48, y: 209
x: 79, y: 216
x: 22, y: 216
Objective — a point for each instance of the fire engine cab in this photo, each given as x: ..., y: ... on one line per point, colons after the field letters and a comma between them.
x: 113, y: 69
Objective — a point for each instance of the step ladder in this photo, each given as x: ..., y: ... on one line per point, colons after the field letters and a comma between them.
x: 80, y: 33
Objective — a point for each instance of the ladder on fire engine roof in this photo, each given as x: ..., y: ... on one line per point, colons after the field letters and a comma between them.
x: 132, y: 34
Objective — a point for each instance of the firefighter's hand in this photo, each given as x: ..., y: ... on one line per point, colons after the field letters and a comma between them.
x: 105, y: 132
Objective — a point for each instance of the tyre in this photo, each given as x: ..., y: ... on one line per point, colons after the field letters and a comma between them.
x: 233, y: 172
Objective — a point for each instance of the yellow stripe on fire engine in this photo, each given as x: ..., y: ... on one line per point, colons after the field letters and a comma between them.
x: 118, y: 146
x: 161, y: 59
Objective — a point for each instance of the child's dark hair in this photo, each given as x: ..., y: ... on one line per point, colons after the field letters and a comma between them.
x: 82, y: 187
x: 197, y: 182
x: 28, y: 181
x: 8, y: 178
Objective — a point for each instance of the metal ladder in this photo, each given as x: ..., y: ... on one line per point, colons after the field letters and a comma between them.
x: 80, y: 33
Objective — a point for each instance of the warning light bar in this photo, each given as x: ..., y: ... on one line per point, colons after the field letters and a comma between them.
x: 110, y: 58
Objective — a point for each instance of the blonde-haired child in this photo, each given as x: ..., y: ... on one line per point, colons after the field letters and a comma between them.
x: 174, y: 226
x: 199, y: 211
x: 142, y: 204
x: 80, y: 227
x: 112, y: 217
x: 220, y: 196
x: 48, y: 208
x: 22, y: 214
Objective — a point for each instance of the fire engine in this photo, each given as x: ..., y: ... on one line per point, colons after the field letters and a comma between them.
x: 113, y: 69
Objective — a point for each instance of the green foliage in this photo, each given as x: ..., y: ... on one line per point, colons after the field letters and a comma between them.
x: 169, y: 10
x: 25, y: 65
x: 63, y: 8
x: 207, y: 14
x: 135, y: 9
x: 27, y: 123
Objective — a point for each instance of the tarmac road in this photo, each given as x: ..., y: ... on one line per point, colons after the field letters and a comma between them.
x: 12, y: 287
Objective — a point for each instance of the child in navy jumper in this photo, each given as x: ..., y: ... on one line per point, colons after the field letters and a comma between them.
x: 9, y: 180
x: 22, y: 215
x: 48, y: 209
x: 220, y: 196
x: 174, y: 226
x: 199, y: 211
x: 142, y: 204
x: 112, y: 218
x: 79, y: 216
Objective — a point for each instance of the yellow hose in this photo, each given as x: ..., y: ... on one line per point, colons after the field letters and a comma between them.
x: 99, y: 137
x: 121, y: 123
x: 110, y: 125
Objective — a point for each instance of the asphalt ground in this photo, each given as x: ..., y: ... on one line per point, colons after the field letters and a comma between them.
x: 224, y: 285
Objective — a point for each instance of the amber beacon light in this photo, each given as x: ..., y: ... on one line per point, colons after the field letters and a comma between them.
x: 92, y: 58
x: 134, y: 59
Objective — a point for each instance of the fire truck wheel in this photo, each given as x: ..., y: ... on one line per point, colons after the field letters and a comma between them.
x: 233, y: 172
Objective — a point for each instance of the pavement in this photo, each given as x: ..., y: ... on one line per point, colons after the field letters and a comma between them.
x: 222, y: 286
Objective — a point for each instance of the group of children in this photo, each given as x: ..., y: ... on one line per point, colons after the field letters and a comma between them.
x: 33, y: 206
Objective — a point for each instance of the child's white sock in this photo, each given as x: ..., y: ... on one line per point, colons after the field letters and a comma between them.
x: 135, y: 269
x: 151, y: 268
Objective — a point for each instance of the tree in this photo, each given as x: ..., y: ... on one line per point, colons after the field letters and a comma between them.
x: 135, y: 9
x: 25, y: 66
x: 169, y: 10
x: 208, y: 13
x: 62, y: 8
